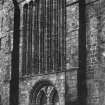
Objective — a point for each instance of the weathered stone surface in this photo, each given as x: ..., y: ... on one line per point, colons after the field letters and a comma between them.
x: 95, y: 24
x: 5, y: 93
x: 6, y: 28
x: 89, y: 1
x: 70, y: 1
x: 92, y: 39
x: 71, y: 87
x: 72, y: 37
x: 58, y: 80
x: 95, y: 58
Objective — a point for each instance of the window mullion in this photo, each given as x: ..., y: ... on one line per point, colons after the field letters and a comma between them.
x: 33, y: 37
x: 36, y: 59
x: 39, y: 33
x: 27, y: 33
x: 59, y: 53
x: 29, y: 65
x: 63, y: 34
x: 51, y: 30
x: 24, y: 56
x: 53, y: 34
x: 42, y: 37
x: 44, y: 33
x: 46, y: 70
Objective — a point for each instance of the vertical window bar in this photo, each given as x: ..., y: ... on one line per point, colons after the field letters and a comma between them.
x: 63, y: 34
x: 27, y: 69
x: 23, y: 46
x: 36, y: 39
x: 59, y: 38
x: 29, y: 65
x: 33, y: 36
x: 43, y: 44
x: 48, y: 35
x: 64, y: 58
x: 53, y: 38
x: 61, y: 44
x: 51, y: 32
x: 42, y: 37
x: 46, y: 38
x: 44, y: 33
x: 39, y: 33
x: 57, y: 50
x: 25, y: 8
x: 54, y: 25
x: 56, y: 36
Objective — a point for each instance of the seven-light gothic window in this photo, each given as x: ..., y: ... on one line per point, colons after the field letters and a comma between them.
x: 44, y: 35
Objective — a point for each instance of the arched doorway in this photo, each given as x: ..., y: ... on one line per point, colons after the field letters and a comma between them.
x: 44, y: 93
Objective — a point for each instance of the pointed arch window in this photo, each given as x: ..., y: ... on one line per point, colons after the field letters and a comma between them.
x: 43, y: 37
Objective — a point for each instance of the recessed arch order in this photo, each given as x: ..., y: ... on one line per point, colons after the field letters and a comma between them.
x: 43, y: 93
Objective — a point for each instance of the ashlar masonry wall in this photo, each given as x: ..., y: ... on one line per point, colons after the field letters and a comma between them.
x: 95, y: 24
x: 6, y: 41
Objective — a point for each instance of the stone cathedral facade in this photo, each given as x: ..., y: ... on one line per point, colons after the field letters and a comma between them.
x: 48, y: 51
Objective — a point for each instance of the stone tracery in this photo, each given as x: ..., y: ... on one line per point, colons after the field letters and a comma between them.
x: 46, y: 95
